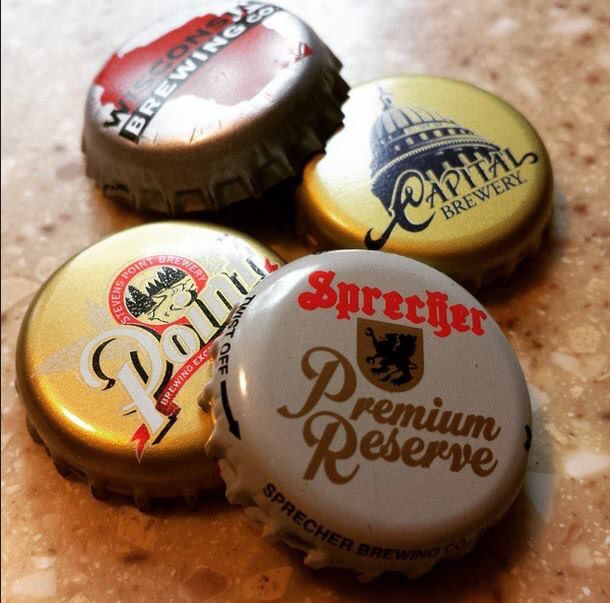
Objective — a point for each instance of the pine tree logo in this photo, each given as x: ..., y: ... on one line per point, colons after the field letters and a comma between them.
x: 137, y: 302
x: 160, y: 295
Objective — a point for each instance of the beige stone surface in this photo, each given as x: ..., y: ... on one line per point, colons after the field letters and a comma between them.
x: 552, y: 61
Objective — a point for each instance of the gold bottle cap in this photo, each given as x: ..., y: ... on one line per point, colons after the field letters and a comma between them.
x: 434, y: 169
x: 383, y: 423
x: 114, y: 351
x: 211, y: 106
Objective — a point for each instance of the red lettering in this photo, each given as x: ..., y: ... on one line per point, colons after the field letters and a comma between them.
x: 459, y: 314
x: 369, y: 294
x: 477, y: 318
x: 437, y: 312
x: 413, y: 304
x: 348, y: 300
x: 324, y: 295
x: 393, y: 300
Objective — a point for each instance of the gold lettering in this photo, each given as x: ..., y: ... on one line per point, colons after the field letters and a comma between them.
x: 433, y: 451
x: 323, y: 453
x: 334, y: 440
x: 410, y: 449
x: 390, y: 451
x: 370, y: 441
x: 382, y: 410
x: 362, y: 405
x: 480, y: 457
x: 474, y: 425
x: 323, y: 379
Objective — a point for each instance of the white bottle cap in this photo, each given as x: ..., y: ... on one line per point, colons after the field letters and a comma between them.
x: 368, y: 411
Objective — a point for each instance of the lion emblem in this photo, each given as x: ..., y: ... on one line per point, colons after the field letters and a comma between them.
x: 390, y: 356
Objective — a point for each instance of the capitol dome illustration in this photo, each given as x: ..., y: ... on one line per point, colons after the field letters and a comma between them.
x: 419, y: 139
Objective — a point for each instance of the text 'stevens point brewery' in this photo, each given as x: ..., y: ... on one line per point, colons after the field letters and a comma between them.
x: 115, y: 349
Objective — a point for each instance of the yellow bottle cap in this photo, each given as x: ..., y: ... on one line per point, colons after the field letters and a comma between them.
x: 434, y: 169
x: 113, y: 353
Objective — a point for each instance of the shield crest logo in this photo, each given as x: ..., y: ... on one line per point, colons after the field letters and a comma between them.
x: 390, y: 356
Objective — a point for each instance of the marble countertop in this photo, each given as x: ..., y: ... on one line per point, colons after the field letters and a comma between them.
x: 552, y: 61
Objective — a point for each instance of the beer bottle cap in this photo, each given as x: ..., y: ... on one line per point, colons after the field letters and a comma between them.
x: 383, y: 422
x: 434, y: 169
x: 114, y: 350
x: 211, y: 106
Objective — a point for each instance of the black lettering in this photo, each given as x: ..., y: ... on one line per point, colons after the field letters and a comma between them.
x: 435, y: 191
x: 451, y: 179
x: 404, y: 197
x: 468, y: 201
x: 177, y: 51
x: 497, y: 161
x: 457, y: 206
x: 346, y: 544
x: 517, y: 177
x: 197, y: 37
x: 482, y: 193
x: 497, y: 187
x: 447, y: 212
x: 299, y: 516
x: 116, y: 114
x: 527, y: 158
